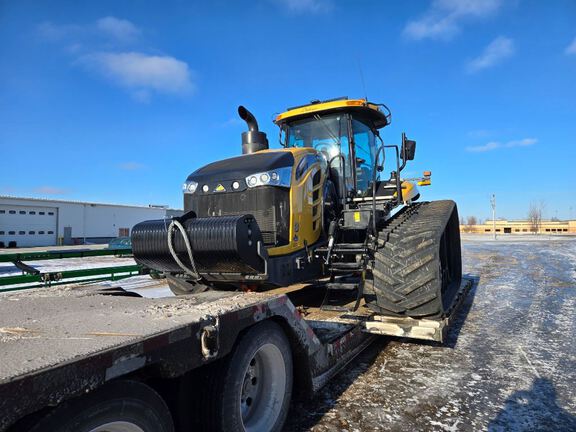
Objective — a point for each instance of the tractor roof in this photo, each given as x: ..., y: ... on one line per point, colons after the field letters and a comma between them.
x: 361, y: 107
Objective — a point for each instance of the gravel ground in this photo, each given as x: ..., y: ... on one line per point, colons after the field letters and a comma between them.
x: 509, y: 364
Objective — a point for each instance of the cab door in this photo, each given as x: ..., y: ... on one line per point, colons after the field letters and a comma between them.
x: 363, y: 160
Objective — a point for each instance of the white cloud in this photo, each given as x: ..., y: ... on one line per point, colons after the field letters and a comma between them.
x: 50, y: 190
x: 98, y: 47
x: 521, y: 143
x: 496, y: 51
x: 305, y: 6
x: 119, y: 29
x: 444, y: 18
x: 494, y: 145
x: 571, y: 49
x: 141, y: 73
x: 131, y: 166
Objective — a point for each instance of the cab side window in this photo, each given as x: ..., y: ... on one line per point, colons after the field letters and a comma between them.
x: 364, y: 149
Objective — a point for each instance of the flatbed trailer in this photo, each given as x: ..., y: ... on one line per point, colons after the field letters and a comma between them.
x: 59, y: 345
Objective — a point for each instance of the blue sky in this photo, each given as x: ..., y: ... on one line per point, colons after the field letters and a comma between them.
x: 118, y: 101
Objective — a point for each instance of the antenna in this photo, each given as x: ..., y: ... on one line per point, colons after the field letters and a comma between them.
x: 362, y: 78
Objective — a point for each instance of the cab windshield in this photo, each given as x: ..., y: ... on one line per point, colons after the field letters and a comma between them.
x: 330, y: 135
x: 324, y: 133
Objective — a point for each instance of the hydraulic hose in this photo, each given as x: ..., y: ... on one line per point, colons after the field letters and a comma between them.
x: 190, y: 271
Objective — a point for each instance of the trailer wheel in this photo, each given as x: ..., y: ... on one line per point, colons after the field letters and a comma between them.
x: 120, y: 406
x: 252, y: 389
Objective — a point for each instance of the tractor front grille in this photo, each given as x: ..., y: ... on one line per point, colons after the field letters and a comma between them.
x: 269, y: 205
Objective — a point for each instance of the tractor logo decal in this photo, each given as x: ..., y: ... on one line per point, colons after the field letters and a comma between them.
x: 220, y: 188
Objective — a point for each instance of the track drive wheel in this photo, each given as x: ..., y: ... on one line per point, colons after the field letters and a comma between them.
x: 418, y: 267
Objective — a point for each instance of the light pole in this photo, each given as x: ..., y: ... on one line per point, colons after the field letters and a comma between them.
x: 493, y: 204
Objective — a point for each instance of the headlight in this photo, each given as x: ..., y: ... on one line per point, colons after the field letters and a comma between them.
x: 190, y: 187
x: 277, y: 177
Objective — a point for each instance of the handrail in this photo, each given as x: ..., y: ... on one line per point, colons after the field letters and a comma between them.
x: 398, y: 183
x: 342, y: 176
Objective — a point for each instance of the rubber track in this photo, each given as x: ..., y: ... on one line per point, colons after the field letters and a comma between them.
x: 407, y: 270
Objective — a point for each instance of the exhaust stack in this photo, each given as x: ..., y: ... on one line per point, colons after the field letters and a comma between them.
x: 252, y: 140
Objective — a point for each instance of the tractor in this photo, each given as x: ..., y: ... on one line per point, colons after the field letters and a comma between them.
x: 318, y: 210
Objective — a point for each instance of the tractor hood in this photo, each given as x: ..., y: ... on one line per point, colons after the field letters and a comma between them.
x: 226, y: 171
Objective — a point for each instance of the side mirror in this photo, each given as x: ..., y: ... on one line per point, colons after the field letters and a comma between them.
x: 408, y: 148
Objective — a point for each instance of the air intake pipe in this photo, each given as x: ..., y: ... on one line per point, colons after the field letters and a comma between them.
x: 220, y: 244
x: 252, y: 140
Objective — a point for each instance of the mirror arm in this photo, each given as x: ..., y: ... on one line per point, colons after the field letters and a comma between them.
x: 398, y: 182
x: 403, y: 153
x: 379, y: 152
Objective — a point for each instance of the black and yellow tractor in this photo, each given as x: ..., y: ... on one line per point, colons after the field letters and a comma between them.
x: 321, y: 210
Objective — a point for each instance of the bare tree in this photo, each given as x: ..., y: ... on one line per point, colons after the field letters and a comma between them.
x: 535, y: 216
x: 472, y: 220
x: 468, y: 224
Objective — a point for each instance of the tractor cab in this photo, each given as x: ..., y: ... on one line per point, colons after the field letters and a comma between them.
x: 345, y: 134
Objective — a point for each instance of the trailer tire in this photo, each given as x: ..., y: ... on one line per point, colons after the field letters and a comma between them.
x: 251, y: 389
x: 120, y: 406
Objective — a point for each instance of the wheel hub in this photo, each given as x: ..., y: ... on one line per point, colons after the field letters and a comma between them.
x: 263, y: 389
x: 118, y: 426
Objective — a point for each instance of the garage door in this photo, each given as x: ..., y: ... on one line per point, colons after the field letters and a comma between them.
x: 28, y: 225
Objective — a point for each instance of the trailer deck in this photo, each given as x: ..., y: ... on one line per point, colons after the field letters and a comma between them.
x: 59, y: 342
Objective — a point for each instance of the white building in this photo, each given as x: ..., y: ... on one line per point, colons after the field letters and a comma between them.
x: 46, y: 222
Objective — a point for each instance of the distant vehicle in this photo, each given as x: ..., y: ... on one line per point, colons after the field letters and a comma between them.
x: 120, y: 243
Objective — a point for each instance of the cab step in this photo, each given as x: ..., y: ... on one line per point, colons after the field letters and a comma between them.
x: 349, y: 266
x: 342, y: 291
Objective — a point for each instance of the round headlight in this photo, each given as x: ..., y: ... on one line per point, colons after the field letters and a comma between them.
x: 235, y: 185
x: 252, y: 180
x: 205, y: 188
x: 274, y: 176
x: 264, y: 178
x: 185, y: 187
x: 192, y: 187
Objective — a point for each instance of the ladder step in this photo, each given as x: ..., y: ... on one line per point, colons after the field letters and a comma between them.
x: 340, y: 295
x: 346, y: 266
x: 350, y: 251
x: 342, y: 271
x: 342, y: 286
x: 352, y: 248
x: 349, y: 246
